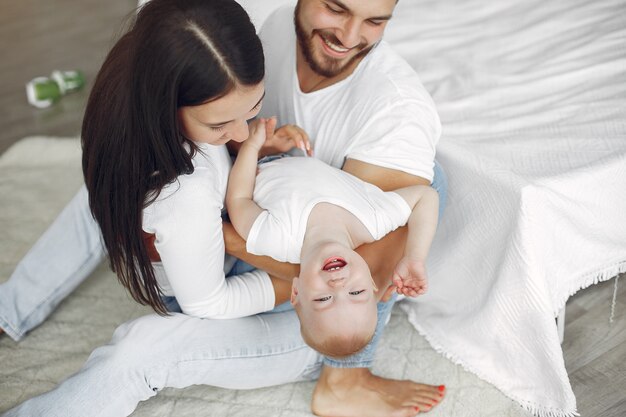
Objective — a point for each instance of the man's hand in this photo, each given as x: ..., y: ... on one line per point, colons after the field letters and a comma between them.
x: 284, y: 139
x: 410, y: 277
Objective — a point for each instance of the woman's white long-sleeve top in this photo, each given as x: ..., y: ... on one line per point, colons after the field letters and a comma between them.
x: 186, y: 220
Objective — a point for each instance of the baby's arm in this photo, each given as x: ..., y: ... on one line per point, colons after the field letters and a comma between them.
x: 410, y: 273
x: 242, y: 209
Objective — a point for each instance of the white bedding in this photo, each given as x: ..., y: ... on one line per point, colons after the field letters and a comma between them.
x: 532, y: 97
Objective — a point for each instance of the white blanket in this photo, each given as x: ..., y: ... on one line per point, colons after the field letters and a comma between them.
x: 532, y: 97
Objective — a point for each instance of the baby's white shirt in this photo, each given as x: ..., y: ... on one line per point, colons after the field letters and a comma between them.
x: 289, y: 188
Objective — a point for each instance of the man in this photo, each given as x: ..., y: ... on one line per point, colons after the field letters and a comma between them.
x: 366, y: 112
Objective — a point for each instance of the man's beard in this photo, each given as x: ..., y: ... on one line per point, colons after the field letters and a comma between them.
x: 329, y: 67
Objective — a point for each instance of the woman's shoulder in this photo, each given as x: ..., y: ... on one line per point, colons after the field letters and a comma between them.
x: 198, y: 186
x: 205, y: 179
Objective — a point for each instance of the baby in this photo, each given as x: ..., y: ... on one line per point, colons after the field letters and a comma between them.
x: 301, y: 210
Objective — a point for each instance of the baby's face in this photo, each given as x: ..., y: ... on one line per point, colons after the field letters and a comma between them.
x: 334, y: 282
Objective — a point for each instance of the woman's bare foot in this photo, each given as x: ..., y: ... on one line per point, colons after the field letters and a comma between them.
x: 352, y: 392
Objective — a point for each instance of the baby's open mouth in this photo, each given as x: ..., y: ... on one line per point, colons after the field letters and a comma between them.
x: 334, y: 264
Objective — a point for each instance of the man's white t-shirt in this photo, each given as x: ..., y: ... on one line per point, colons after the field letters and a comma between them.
x: 289, y: 188
x: 186, y: 220
x: 380, y: 114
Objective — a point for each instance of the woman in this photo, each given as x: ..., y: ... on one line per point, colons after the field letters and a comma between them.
x: 172, y: 92
x: 182, y: 82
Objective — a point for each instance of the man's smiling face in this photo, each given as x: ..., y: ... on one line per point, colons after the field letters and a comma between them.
x: 333, y: 34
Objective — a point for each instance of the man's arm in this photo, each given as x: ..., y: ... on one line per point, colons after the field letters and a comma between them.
x: 386, y: 179
x: 383, y: 255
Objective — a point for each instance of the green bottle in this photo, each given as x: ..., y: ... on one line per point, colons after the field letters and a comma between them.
x: 69, y: 81
x: 42, y: 92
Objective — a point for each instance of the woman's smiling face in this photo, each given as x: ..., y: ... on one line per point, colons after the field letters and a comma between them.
x: 220, y: 121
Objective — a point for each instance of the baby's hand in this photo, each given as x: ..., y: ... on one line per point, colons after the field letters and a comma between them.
x: 410, y: 277
x: 258, y: 132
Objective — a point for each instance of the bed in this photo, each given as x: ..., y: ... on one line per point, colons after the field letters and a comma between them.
x: 532, y: 98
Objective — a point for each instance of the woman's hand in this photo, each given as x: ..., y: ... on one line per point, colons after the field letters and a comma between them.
x: 284, y: 139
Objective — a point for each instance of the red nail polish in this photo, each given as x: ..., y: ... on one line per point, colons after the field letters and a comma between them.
x: 416, y: 408
x: 441, y: 387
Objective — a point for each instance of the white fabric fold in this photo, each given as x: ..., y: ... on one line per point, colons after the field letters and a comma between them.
x: 532, y: 100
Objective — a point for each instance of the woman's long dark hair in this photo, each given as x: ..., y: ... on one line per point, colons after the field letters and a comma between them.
x: 176, y: 53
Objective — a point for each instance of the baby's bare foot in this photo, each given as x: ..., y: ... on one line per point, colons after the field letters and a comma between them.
x: 342, y: 392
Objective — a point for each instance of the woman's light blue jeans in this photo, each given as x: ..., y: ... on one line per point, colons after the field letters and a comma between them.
x: 151, y: 353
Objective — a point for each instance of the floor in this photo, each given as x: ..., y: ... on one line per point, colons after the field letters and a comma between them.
x: 38, y: 37
x: 595, y: 349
